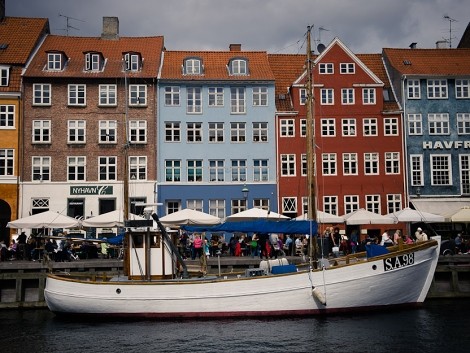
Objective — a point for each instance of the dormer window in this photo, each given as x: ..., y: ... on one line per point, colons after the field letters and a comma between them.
x: 55, y: 61
x: 133, y: 61
x: 4, y: 75
x: 94, y: 62
x: 192, y: 66
x: 238, y: 67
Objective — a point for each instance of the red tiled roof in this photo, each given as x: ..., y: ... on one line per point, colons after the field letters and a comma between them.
x: 215, y: 65
x: 436, y: 62
x: 286, y: 68
x: 21, y: 35
x: 75, y: 48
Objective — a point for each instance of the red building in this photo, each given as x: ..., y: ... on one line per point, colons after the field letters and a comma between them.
x: 357, y: 127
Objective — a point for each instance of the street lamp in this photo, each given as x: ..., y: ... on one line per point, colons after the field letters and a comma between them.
x: 245, y: 192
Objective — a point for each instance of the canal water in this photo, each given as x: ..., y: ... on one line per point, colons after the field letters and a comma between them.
x: 439, y: 326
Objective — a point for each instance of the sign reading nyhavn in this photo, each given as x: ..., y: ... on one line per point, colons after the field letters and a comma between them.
x: 91, y: 190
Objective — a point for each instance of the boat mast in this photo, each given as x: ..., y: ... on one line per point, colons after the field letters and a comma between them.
x: 126, y: 151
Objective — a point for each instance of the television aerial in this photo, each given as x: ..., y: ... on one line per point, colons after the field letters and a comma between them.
x: 68, y: 26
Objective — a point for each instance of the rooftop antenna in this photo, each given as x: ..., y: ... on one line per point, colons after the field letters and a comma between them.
x: 68, y: 18
x: 450, y: 19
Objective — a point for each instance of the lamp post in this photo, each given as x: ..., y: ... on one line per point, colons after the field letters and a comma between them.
x: 245, y: 192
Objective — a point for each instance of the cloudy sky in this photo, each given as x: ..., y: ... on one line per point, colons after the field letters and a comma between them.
x: 276, y: 26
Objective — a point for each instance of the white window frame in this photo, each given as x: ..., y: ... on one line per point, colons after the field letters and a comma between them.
x: 415, y: 124
x: 437, y: 89
x: 107, y: 168
x: 438, y: 124
x: 172, y: 131
x: 42, y: 131
x: 347, y: 68
x: 194, y: 132
x: 215, y: 96
x: 138, y: 168
x: 302, y: 96
x: 238, y: 132
x: 217, y: 208
x: 347, y: 96
x: 329, y: 164
x: 348, y: 127
x: 327, y: 96
x: 392, y: 163
x: 92, y: 62
x: 7, y: 116
x: 7, y: 162
x: 326, y: 68
x: 238, y: 67
x: 172, y: 96
x: 372, y: 203
x: 369, y: 96
x: 216, y: 170
x: 76, y: 168
x: 464, y: 169
x: 350, y: 164
x: 287, y: 127
x: 330, y: 204
x: 42, y: 94
x: 76, y: 131
x: 136, y: 127
x: 196, y: 166
x: 328, y: 127
x: 55, y: 61
x: 413, y: 88
x: 394, y: 203
x: 370, y: 127
x: 137, y: 95
x: 371, y: 163
x: 462, y: 88
x: 192, y: 66
x: 132, y: 61
x: 193, y: 100
x: 416, y: 170
x: 107, y: 131
x: 77, y: 94
x: 260, y: 170
x: 108, y: 95
x: 440, y: 165
x: 237, y: 100
x: 4, y: 76
x: 216, y: 132
x: 173, y: 170
x: 289, y: 204
x: 391, y: 127
x: 288, y: 165
x: 463, y: 123
x: 260, y: 96
x: 40, y: 168
x: 260, y: 132
x: 351, y: 203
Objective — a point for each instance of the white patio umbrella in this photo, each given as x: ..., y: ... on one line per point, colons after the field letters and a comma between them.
x: 109, y: 219
x: 462, y: 215
x: 188, y: 216
x: 255, y: 213
x: 47, y: 219
x: 323, y: 217
x: 409, y: 215
x: 362, y: 216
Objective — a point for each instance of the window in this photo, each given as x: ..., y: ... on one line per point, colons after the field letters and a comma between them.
x: 368, y: 96
x: 462, y: 88
x: 6, y: 161
x: 93, y: 62
x: 416, y: 170
x: 194, y: 132
x: 39, y: 205
x: 216, y: 132
x: 260, y: 96
x: 237, y: 100
x: 437, y: 89
x: 76, y: 168
x: 194, y: 170
x: 195, y: 205
x: 137, y: 95
x: 302, y: 96
x: 441, y: 171
x: 173, y: 170
x: 216, y: 96
x: 328, y: 127
x: 216, y: 170
x: 172, y: 96
x: 330, y: 204
x: 238, y: 169
x: 415, y: 124
x: 289, y: 205
x: 326, y: 95
x: 217, y: 208
x: 287, y: 127
x: 238, y: 67
x: 41, y: 131
x: 237, y: 132
x: 371, y: 163
x: 77, y: 94
x: 346, y: 68
x: 76, y: 131
x: 304, y: 164
x: 4, y: 76
x: 348, y: 127
x: 133, y: 61
x: 393, y: 203
x: 108, y: 95
x: 260, y: 132
x: 7, y: 116
x: 465, y: 174
x: 192, y: 67
x: 193, y: 101
x: 350, y: 163
x: 373, y: 203
x: 261, y: 204
x: 108, y: 131
x: 107, y: 167
x: 438, y: 124
x: 392, y: 162
x: 238, y: 206
x: 325, y: 68
x: 172, y: 206
x: 54, y: 61
x: 303, y: 127
x: 137, y: 131
x: 329, y: 163
x: 172, y: 131
x: 288, y: 165
x: 369, y: 127
x: 260, y: 170
x: 413, y: 89
x: 42, y: 94
x: 347, y: 96
x: 391, y: 126
x: 463, y: 123
x: 138, y: 168
x: 351, y: 203
x: 41, y: 168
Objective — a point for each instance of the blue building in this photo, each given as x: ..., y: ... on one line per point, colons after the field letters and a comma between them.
x: 216, y: 148
x: 433, y: 88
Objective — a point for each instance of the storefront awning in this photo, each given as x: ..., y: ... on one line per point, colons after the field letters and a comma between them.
x: 442, y: 206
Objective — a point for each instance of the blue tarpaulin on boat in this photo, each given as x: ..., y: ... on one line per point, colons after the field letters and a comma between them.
x: 375, y: 250
x: 259, y: 226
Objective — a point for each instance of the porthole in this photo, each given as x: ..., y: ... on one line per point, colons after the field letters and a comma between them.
x: 118, y: 291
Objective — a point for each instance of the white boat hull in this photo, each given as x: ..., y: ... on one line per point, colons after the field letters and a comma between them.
x: 377, y: 282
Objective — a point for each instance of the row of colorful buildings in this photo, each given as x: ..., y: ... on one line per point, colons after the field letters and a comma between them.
x: 223, y: 131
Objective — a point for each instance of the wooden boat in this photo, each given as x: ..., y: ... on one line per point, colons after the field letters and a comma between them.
x: 157, y: 284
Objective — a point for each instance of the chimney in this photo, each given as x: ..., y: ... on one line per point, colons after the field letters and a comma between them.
x: 110, y: 28
x: 441, y: 44
x: 413, y: 45
x: 235, y: 47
